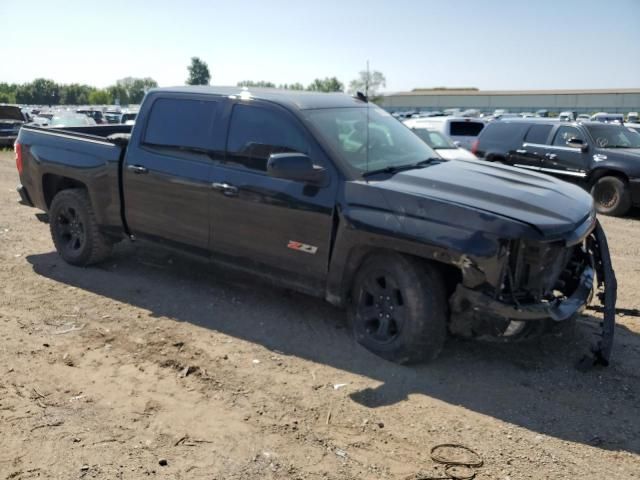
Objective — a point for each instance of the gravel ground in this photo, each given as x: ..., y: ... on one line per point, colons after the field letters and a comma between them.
x: 152, y: 365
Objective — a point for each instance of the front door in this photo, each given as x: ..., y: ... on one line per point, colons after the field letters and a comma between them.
x: 264, y: 221
x: 563, y: 161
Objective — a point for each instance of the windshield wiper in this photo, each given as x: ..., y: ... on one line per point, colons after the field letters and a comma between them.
x: 402, y: 168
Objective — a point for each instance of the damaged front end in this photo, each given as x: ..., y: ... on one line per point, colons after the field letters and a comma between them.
x: 539, y: 284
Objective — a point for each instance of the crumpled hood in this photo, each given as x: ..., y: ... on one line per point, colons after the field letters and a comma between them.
x: 550, y: 206
x: 11, y: 112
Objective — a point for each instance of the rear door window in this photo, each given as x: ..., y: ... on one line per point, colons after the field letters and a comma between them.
x: 181, y: 123
x: 538, y: 134
x: 257, y: 132
x: 465, y: 129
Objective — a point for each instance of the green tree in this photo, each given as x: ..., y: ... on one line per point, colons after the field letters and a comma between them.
x: 198, y: 72
x: 75, y: 94
x: 131, y: 90
x: 259, y: 83
x: 368, y: 83
x: 6, y: 97
x: 326, y: 85
x: 46, y: 91
x: 291, y: 86
x: 100, y: 97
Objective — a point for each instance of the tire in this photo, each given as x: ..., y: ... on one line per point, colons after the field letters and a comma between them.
x: 74, y: 229
x: 611, y: 196
x: 410, y: 296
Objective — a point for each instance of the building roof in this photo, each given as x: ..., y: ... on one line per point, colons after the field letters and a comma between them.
x: 475, y: 92
x: 297, y: 99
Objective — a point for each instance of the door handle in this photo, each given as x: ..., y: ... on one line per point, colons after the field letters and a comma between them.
x: 226, y: 188
x: 521, y: 151
x: 551, y: 156
x: 137, y: 169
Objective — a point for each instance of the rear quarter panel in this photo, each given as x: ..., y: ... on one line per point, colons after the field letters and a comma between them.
x: 94, y: 163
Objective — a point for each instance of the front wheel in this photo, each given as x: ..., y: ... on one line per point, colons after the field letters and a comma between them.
x: 399, y: 308
x: 611, y: 196
x: 74, y: 229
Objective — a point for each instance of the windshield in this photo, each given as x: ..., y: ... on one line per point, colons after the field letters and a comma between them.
x: 435, y: 140
x: 385, y: 143
x: 614, y: 136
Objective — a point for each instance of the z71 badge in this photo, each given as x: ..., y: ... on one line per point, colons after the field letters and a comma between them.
x: 302, y: 247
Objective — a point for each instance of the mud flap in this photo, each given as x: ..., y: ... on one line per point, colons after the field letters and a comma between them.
x: 607, y: 293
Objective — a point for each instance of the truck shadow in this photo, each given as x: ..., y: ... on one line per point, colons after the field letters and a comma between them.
x: 534, y: 386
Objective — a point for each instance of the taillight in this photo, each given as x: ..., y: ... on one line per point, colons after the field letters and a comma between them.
x: 474, y: 147
x: 18, y: 148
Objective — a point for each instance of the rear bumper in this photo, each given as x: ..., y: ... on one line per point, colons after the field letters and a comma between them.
x: 24, y: 196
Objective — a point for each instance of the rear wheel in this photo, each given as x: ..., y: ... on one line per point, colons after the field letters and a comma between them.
x: 611, y: 196
x: 399, y: 309
x: 74, y: 229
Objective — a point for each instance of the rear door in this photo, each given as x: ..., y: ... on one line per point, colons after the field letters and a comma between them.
x: 533, y: 148
x: 264, y: 221
x: 465, y: 131
x: 167, y: 171
x: 563, y: 161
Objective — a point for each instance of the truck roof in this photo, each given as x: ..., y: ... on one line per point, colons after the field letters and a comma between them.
x: 296, y: 99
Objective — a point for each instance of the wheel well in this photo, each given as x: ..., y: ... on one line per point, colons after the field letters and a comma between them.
x: 451, y: 275
x: 52, y: 184
x: 598, y: 174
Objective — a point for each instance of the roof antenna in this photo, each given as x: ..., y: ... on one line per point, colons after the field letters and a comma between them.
x: 362, y: 96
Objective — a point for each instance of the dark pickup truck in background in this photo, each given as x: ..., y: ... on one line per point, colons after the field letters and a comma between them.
x: 602, y: 158
x: 329, y: 195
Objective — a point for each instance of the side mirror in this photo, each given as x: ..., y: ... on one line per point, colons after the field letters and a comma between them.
x: 577, y: 143
x: 295, y: 166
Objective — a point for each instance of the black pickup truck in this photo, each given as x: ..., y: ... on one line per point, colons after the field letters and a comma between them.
x: 329, y: 195
x: 601, y: 158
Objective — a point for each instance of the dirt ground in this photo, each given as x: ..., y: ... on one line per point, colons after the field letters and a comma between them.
x: 107, y: 372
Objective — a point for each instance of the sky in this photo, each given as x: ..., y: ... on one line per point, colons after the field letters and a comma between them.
x: 488, y: 44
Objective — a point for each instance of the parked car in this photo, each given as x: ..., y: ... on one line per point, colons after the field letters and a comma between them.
x: 566, y: 117
x: 96, y: 115
x: 65, y: 120
x: 607, y: 117
x: 328, y: 195
x: 583, y: 117
x: 11, y: 120
x: 129, y: 118
x: 542, y: 113
x: 443, y: 145
x: 459, y: 129
x: 633, y: 117
x: 601, y: 158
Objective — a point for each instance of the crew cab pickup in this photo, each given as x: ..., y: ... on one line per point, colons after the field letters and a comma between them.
x: 602, y: 158
x: 330, y: 195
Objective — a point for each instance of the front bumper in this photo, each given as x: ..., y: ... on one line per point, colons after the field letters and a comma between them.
x: 474, y: 312
x: 466, y: 301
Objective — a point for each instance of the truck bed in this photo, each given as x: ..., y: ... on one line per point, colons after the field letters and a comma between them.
x: 94, y: 159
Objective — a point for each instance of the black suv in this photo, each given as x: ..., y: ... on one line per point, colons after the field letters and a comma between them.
x: 602, y: 158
